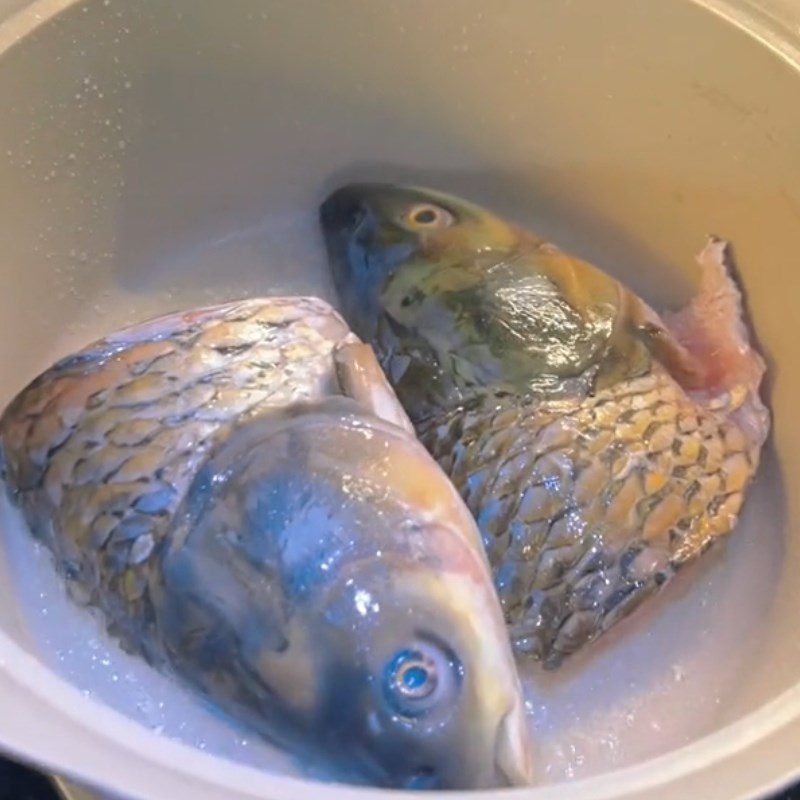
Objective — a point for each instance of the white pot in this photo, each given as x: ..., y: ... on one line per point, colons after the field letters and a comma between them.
x: 163, y: 154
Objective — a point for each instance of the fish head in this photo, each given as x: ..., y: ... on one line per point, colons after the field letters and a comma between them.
x: 372, y: 231
x: 415, y: 671
x: 421, y: 681
x: 453, y: 297
x: 330, y: 548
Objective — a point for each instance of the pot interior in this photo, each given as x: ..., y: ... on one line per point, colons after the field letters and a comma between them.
x: 156, y: 156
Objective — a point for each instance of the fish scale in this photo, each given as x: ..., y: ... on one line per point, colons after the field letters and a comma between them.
x: 239, y: 493
x: 599, y: 445
x: 135, y: 416
x: 578, y: 533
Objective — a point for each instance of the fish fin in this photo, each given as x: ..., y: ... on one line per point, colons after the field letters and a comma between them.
x: 360, y: 376
x: 712, y: 328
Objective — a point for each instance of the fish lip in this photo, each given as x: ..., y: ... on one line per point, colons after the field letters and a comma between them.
x: 512, y: 754
x: 348, y: 228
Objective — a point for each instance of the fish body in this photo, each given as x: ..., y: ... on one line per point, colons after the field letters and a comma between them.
x: 239, y: 493
x: 599, y: 446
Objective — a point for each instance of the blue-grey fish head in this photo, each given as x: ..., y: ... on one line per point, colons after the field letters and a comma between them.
x: 372, y: 230
x: 329, y: 561
x: 452, y: 297
x: 420, y: 681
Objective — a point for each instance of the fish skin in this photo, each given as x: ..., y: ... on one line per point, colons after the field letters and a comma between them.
x: 239, y: 493
x: 599, y: 446
x: 584, y: 517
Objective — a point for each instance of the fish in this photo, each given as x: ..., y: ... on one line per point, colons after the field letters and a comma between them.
x: 599, y: 445
x: 237, y: 491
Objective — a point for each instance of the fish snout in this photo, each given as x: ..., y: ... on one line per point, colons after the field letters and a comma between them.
x: 512, y: 751
x: 364, y: 247
x: 343, y: 211
x: 484, y: 753
x: 469, y: 754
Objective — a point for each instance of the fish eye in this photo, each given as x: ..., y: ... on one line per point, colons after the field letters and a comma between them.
x: 427, y: 216
x: 420, y: 678
x: 414, y: 676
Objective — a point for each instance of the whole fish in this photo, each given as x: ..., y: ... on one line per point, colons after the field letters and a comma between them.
x: 599, y: 446
x: 238, y: 491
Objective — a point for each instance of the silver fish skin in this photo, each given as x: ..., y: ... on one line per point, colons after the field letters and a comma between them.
x: 600, y: 446
x: 238, y: 491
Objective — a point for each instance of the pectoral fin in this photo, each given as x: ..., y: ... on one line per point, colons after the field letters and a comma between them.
x: 360, y: 376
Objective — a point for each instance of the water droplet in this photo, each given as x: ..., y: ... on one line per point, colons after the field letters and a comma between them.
x: 121, y: 144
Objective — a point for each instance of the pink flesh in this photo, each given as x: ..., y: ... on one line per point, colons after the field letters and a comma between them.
x: 712, y: 329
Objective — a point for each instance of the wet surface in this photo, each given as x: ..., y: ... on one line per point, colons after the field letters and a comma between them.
x: 671, y: 683
x: 148, y: 176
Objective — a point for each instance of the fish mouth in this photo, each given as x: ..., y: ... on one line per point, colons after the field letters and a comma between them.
x: 343, y: 211
x: 348, y: 230
x: 364, y: 248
